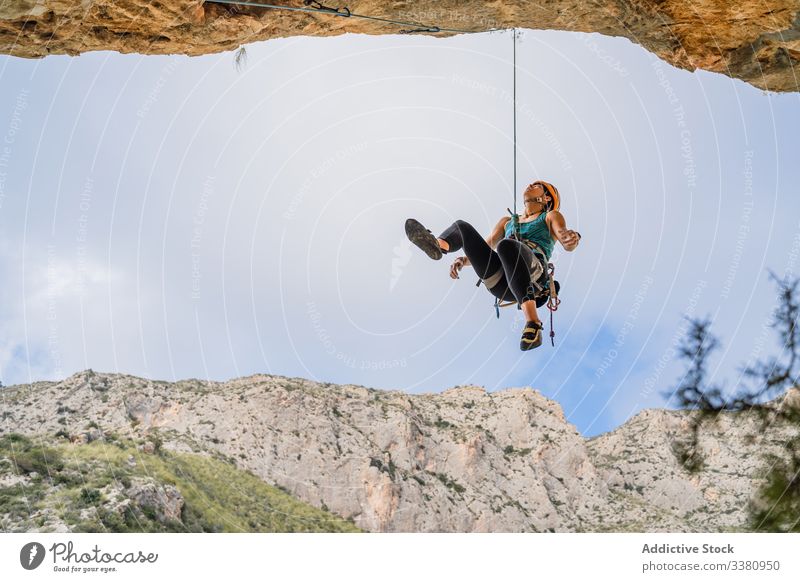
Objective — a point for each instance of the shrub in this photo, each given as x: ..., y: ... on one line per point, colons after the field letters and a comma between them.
x: 90, y: 496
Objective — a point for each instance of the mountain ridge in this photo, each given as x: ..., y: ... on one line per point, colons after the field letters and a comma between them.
x: 463, y: 459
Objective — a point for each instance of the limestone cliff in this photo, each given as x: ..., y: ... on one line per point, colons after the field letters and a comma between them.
x: 758, y: 42
x: 460, y: 461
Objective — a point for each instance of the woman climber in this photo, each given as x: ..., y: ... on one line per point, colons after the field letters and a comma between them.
x: 512, y: 272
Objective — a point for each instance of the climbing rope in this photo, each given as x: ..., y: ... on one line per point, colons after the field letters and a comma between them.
x: 552, y: 301
x: 317, y: 7
x: 514, y: 193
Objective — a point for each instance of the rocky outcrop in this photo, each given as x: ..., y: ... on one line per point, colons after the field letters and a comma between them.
x: 165, y: 501
x: 758, y: 42
x: 462, y: 460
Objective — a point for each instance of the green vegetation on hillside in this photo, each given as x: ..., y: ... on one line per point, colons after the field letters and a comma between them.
x: 90, y: 487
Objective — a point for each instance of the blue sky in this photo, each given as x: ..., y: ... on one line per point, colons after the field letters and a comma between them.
x: 173, y: 217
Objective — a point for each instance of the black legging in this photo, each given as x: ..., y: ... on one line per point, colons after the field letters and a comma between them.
x: 506, y: 272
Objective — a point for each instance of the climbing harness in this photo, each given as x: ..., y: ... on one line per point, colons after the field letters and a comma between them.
x: 317, y: 7
x: 542, y: 287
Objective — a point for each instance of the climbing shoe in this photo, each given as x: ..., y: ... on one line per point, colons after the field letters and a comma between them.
x: 423, y: 238
x: 531, y: 336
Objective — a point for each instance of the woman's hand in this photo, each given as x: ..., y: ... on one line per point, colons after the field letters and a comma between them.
x: 457, y: 265
x: 570, y: 238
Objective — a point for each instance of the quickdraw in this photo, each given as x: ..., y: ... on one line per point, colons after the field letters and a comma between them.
x: 418, y: 30
x: 319, y: 6
x: 552, y: 301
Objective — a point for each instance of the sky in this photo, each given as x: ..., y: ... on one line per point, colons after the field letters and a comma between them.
x: 178, y: 217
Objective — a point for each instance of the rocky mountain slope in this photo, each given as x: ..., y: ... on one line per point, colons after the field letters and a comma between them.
x: 460, y: 461
x: 758, y: 42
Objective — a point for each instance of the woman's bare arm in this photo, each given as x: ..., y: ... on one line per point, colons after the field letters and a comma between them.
x: 558, y: 226
x: 498, y: 232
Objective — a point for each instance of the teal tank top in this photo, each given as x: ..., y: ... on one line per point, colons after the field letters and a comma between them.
x: 536, y: 230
